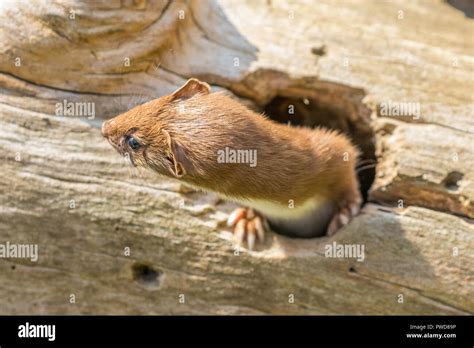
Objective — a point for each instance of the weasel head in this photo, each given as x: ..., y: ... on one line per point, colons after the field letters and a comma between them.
x: 143, y: 137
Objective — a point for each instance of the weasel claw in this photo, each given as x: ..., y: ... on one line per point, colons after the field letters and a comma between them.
x: 248, y: 225
x: 348, y: 210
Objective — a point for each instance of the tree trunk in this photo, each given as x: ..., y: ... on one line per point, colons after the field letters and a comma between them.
x: 124, y: 241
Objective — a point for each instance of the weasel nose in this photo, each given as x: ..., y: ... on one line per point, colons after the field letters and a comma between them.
x: 105, y: 129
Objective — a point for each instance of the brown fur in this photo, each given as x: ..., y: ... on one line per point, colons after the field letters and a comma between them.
x: 181, y: 134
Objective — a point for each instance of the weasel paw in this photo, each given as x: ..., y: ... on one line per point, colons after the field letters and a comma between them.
x: 248, y: 225
x: 346, y: 211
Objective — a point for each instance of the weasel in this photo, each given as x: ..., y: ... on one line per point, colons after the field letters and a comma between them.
x: 301, y: 182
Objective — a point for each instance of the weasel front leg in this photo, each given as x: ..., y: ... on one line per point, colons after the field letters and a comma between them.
x: 248, y: 225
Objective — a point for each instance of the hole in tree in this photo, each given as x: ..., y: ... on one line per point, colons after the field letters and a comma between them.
x: 451, y: 182
x: 466, y: 6
x: 341, y: 111
x: 146, y: 276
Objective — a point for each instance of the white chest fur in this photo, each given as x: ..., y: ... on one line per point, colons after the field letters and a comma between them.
x: 293, y: 210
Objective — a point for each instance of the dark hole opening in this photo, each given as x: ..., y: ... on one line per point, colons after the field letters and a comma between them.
x: 466, y: 6
x: 452, y: 179
x: 342, y: 115
x: 146, y: 276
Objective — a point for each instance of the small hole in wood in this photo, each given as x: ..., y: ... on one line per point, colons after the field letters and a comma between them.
x: 451, y: 182
x: 146, y: 276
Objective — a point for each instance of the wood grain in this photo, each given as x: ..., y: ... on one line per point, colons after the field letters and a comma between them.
x: 354, y: 55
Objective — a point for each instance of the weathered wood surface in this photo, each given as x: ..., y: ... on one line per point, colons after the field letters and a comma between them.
x: 351, y: 54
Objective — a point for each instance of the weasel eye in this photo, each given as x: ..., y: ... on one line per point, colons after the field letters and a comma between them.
x: 133, y: 143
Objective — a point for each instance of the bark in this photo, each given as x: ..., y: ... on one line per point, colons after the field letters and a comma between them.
x: 64, y: 188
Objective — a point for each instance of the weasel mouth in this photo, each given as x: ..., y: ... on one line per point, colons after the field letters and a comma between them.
x: 126, y: 156
x: 128, y: 159
x: 115, y: 146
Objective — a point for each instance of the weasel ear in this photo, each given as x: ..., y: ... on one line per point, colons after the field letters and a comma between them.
x: 191, y: 88
x: 180, y: 164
